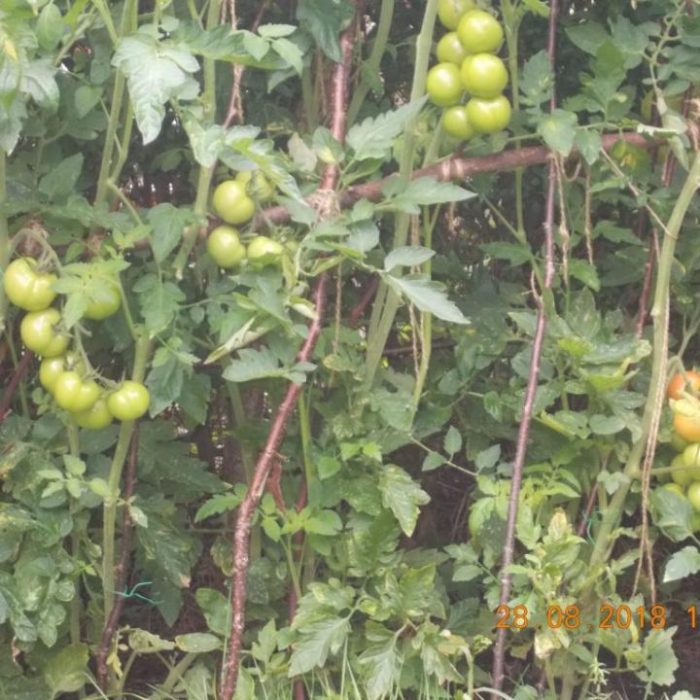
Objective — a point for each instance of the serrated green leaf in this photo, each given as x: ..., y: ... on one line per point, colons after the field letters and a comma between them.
x: 374, y: 137
x: 155, y: 72
x: 407, y: 256
x: 428, y: 296
x: 316, y: 641
x: 423, y: 191
x: 558, y: 130
x: 402, y: 495
x: 685, y: 562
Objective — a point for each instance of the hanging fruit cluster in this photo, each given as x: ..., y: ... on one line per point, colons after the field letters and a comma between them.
x: 468, y: 64
x: 64, y: 372
x: 234, y: 202
x: 685, y: 474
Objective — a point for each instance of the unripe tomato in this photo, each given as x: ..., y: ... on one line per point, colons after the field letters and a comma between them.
x: 675, y: 488
x: 450, y: 49
x: 484, y: 75
x: 691, y: 458
x: 678, y: 443
x: 678, y: 383
x: 693, y: 495
x: 225, y: 247
x: 681, y: 475
x: 106, y: 302
x: 480, y: 32
x: 27, y: 288
x: 96, y: 417
x: 256, y: 184
x: 687, y: 426
x: 74, y: 393
x: 129, y: 402
x: 451, y: 11
x: 39, y: 334
x: 489, y: 116
x: 444, y: 84
x: 455, y: 122
x: 631, y: 158
x: 52, y: 367
x: 264, y: 251
x: 232, y: 203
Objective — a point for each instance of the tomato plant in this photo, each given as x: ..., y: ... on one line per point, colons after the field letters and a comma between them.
x: 40, y: 333
x: 27, y: 287
x: 106, y: 302
x: 480, y: 32
x: 306, y: 363
x: 225, y: 247
x: 451, y: 11
x: 450, y: 50
x: 263, y: 251
x: 232, y: 203
x: 484, y: 75
x: 129, y: 402
x: 444, y: 84
x: 456, y: 123
x: 74, y: 393
x: 489, y: 116
x: 97, y: 417
x: 690, y: 381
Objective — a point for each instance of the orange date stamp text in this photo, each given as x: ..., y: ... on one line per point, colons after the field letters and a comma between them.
x: 610, y: 617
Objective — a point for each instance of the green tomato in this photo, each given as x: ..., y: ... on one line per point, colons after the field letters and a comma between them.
x: 681, y: 476
x: 264, y: 251
x: 444, y: 85
x: 105, y: 303
x: 39, y: 334
x: 678, y: 443
x: 634, y: 160
x: 693, y: 495
x: 691, y: 456
x: 455, y: 122
x: 129, y: 402
x: 451, y: 11
x: 75, y: 394
x: 27, y: 288
x: 450, y: 49
x: 489, y: 116
x: 484, y: 75
x: 225, y: 247
x: 232, y: 204
x: 52, y: 367
x: 96, y: 417
x: 480, y: 32
x: 676, y: 488
x: 256, y: 184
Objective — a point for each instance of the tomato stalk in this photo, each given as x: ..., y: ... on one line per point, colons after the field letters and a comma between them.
x: 387, y: 302
x: 660, y: 314
x: 511, y: 20
x: 142, y: 352
x: 4, y: 236
x: 204, y: 178
x: 373, y: 63
x: 129, y: 23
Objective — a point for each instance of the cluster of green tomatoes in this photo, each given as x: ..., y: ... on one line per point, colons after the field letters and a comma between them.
x: 63, y: 372
x: 468, y: 64
x: 234, y: 202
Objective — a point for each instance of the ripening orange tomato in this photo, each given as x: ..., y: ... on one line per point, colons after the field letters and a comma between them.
x: 687, y: 426
x: 678, y: 383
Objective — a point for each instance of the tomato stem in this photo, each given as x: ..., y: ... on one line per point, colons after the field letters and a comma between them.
x: 141, y: 355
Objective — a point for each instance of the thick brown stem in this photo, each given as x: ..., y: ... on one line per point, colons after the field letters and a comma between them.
x: 455, y: 168
x: 121, y: 570
x: 498, y: 669
x: 246, y: 511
